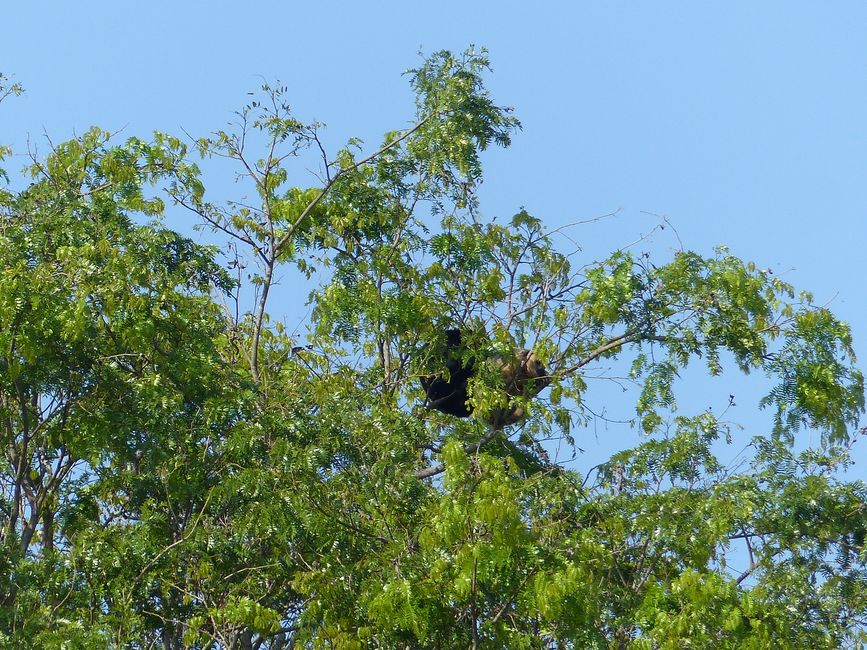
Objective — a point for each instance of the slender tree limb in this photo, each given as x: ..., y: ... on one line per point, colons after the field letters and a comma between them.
x: 470, y: 449
x: 613, y: 344
x: 260, y: 319
x: 330, y: 184
x: 183, y: 539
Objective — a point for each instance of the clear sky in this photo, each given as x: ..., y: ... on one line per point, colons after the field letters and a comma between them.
x: 744, y: 122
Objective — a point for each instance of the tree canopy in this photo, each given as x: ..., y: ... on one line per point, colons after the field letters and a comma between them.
x: 181, y: 469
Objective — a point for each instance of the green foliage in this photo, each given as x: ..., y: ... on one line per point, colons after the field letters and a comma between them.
x: 180, y: 471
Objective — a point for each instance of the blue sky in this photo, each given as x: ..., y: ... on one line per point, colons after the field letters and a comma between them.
x: 745, y: 123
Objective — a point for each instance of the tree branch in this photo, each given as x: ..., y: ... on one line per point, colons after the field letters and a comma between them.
x: 470, y: 449
x: 330, y: 184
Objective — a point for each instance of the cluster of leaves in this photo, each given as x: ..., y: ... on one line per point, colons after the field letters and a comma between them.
x: 179, y: 471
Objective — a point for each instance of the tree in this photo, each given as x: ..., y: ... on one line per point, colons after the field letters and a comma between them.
x: 181, y: 471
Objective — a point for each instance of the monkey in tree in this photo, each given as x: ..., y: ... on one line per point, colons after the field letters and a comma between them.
x: 523, y: 375
x: 448, y: 393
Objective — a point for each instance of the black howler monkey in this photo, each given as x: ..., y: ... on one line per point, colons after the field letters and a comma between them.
x: 450, y: 395
x: 523, y: 375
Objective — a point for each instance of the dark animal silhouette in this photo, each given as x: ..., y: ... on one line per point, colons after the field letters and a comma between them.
x: 449, y: 393
x: 523, y: 375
